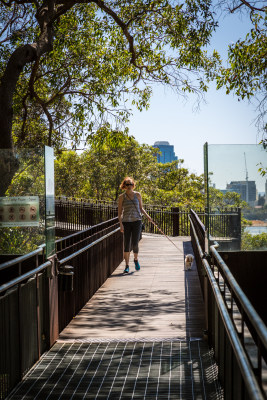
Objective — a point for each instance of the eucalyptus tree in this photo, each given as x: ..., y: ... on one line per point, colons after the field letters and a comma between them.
x: 70, y: 174
x: 173, y: 185
x: 98, y: 172
x: 111, y: 157
x: 67, y: 66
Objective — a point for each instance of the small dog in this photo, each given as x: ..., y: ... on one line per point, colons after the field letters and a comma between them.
x: 188, y: 261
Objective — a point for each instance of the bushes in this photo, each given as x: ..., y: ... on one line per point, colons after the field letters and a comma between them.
x: 254, y: 242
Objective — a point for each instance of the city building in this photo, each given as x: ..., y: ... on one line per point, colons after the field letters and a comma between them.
x: 167, y: 152
x: 247, y: 190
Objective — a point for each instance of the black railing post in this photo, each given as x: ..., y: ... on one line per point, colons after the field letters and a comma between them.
x: 239, y: 233
x: 175, y: 221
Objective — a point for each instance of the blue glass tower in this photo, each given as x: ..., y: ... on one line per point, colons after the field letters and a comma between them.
x: 167, y: 152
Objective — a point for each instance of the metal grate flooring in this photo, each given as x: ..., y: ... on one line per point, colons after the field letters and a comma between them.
x: 154, y: 369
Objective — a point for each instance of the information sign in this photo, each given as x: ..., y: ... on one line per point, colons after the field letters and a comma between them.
x: 19, y: 211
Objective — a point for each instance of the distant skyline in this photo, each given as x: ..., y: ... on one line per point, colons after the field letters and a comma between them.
x: 222, y: 120
x: 227, y: 163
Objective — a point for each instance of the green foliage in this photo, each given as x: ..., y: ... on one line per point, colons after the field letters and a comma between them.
x: 27, y: 181
x: 173, y: 185
x: 263, y: 169
x: 245, y: 73
x: 103, y: 62
x: 247, y: 58
x: 20, y: 240
x: 98, y: 172
x: 254, y: 242
x: 70, y: 174
x: 255, y: 213
x: 228, y: 200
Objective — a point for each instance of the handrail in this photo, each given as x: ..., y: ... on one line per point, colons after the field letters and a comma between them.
x: 198, y: 219
x: 20, y: 259
x: 23, y: 277
x: 91, y: 201
x: 64, y: 260
x: 197, y: 242
x: 84, y: 200
x: 83, y: 231
x: 245, y: 367
x: 254, y: 318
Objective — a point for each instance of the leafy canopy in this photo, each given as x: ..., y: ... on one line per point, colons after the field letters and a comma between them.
x: 245, y: 72
x: 103, y: 59
x: 98, y: 172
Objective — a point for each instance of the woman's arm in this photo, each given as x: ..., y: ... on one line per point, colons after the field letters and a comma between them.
x: 120, y: 211
x: 143, y: 211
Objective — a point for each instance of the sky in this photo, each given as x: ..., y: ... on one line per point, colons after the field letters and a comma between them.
x: 236, y: 162
x: 221, y: 120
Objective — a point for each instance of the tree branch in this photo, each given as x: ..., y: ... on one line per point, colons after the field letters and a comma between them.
x: 248, y: 4
x: 25, y: 115
x: 122, y: 25
x: 6, y: 3
x: 42, y: 103
x: 46, y: 15
x: 32, y: 77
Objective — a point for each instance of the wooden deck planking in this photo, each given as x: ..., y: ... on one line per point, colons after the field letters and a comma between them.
x: 139, y: 337
x: 161, y: 300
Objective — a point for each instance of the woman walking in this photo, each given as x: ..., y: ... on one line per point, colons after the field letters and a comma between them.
x: 130, y: 210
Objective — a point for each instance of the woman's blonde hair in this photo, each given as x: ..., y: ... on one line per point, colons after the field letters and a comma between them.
x: 128, y: 178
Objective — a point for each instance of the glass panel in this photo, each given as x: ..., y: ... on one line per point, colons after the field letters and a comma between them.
x: 50, y: 201
x: 234, y: 184
x: 206, y: 189
x: 23, y: 204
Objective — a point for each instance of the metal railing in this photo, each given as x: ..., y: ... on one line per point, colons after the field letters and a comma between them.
x: 93, y: 261
x: 78, y: 214
x: 84, y: 236
x: 33, y: 309
x: 73, y: 215
x: 225, y: 222
x: 224, y: 226
x: 235, y: 330
x: 23, y: 317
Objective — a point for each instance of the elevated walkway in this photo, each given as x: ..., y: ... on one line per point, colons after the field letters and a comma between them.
x: 161, y: 300
x: 140, y: 336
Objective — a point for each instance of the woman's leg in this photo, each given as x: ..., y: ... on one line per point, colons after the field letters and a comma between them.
x: 136, y: 232
x: 126, y: 257
x: 127, y: 241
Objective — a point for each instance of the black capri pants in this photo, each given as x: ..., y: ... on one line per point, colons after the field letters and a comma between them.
x: 132, y: 233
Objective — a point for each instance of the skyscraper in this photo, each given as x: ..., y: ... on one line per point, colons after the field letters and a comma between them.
x: 167, y: 152
x: 247, y: 190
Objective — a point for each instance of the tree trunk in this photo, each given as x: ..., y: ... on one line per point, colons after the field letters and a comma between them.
x: 8, y: 167
x: 20, y: 57
x: 15, y: 65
